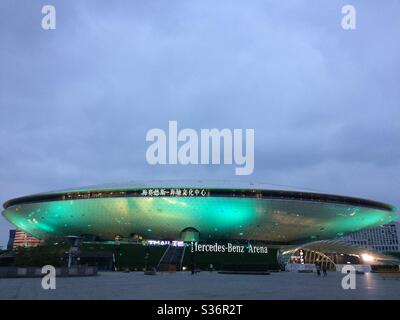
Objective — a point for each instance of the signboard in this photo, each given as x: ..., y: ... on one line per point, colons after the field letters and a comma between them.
x: 175, y: 192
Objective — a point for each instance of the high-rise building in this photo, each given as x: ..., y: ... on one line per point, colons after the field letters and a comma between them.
x: 384, y: 238
x: 22, y: 239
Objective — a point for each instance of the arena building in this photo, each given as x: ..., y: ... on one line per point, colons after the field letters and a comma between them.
x: 195, y: 211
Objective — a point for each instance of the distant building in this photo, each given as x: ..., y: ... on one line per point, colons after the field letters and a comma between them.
x: 18, y: 238
x: 11, y: 239
x: 385, y: 238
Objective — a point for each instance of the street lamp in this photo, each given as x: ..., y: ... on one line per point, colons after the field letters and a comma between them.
x: 74, y: 242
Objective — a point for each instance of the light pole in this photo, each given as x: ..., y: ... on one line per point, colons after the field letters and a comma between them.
x: 74, y: 242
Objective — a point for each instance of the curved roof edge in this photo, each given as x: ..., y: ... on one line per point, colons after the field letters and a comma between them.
x: 233, y: 189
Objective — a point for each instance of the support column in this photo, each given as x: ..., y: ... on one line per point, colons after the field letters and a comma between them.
x: 191, y: 235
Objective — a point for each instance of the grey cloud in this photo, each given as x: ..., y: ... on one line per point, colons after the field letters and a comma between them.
x: 75, y: 103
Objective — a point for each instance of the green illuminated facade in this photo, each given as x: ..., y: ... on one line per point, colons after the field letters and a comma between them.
x: 163, y: 211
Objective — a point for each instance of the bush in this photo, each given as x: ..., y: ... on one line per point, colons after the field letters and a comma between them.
x: 40, y: 256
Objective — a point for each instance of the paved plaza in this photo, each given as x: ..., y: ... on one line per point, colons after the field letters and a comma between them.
x: 205, y: 285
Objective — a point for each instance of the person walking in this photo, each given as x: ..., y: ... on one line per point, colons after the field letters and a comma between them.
x: 193, y: 268
x: 318, y: 267
x: 324, y: 270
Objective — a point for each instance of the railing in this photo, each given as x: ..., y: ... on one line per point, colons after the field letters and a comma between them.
x: 173, y: 256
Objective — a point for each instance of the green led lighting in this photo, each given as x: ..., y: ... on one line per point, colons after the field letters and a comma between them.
x: 214, y: 217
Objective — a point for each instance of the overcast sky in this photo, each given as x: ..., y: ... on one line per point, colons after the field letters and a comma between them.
x: 76, y: 102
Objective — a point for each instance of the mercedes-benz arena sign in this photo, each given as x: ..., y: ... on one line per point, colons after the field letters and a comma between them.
x: 163, y: 210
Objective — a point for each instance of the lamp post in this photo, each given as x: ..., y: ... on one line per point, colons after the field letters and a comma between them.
x: 74, y: 242
x: 146, y: 258
x: 117, y: 243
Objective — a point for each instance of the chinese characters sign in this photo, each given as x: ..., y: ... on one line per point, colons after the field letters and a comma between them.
x: 174, y: 193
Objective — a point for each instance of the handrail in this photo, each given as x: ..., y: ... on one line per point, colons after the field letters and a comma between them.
x: 159, y: 262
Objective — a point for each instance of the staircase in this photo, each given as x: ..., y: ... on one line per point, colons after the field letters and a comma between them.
x: 171, y: 259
